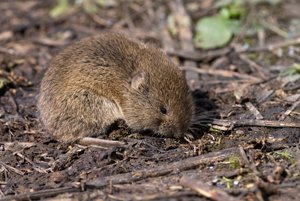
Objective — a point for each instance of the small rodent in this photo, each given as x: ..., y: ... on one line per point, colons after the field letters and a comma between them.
x: 98, y: 80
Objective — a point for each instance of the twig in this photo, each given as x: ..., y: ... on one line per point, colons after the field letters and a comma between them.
x: 284, y: 115
x: 252, y: 166
x: 254, y: 110
x: 274, y: 28
x: 266, y: 123
x: 64, y: 160
x: 265, y: 95
x: 262, y: 188
x: 40, y: 194
x: 253, y: 65
x: 50, y: 42
x: 232, y: 173
x: 218, y: 81
x: 200, y: 56
x: 162, y: 196
x: 269, y: 47
x: 182, y: 165
x: 100, y: 142
x: 13, y: 146
x: 230, y: 124
x: 223, y: 73
x: 247, y: 162
x: 34, y: 166
x: 15, y: 170
x: 97, y: 19
x: 206, y: 190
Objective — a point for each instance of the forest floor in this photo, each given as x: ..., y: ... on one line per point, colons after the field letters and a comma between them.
x: 247, y: 149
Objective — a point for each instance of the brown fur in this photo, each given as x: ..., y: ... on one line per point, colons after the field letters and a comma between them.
x: 100, y: 79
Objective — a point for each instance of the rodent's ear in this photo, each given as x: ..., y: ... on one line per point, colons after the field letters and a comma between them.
x: 138, y: 81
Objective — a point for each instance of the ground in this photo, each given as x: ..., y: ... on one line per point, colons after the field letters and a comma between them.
x: 246, y: 144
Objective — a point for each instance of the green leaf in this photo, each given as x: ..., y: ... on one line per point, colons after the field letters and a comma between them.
x: 61, y: 8
x: 237, y: 10
x: 234, y: 10
x: 212, y: 32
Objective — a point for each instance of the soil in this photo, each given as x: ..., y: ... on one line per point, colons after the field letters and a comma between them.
x: 244, y: 147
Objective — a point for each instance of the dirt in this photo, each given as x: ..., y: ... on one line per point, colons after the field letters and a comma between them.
x: 265, y: 160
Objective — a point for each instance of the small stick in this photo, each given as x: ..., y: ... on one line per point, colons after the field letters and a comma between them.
x: 247, y: 162
x: 15, y: 170
x: 274, y: 28
x: 200, y: 56
x: 262, y: 187
x: 98, y: 20
x: 39, y: 194
x: 50, y: 42
x: 253, y: 65
x: 34, y: 166
x: 265, y: 96
x: 64, y: 159
x: 182, y: 165
x: 100, y: 142
x: 12, y: 146
x: 223, y: 73
x: 156, y: 196
x: 206, y: 190
x: 252, y: 166
x: 270, y: 47
x: 214, y: 82
x: 230, y: 124
x: 290, y: 110
x: 266, y: 123
x: 254, y: 110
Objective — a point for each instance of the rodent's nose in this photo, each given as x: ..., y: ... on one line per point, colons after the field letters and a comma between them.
x: 169, y: 130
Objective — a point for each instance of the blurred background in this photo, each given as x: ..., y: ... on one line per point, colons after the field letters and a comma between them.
x: 212, y: 34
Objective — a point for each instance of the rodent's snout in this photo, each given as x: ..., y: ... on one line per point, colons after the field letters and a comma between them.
x: 170, y: 130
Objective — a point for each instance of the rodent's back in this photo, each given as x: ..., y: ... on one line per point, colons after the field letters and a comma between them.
x: 101, y: 79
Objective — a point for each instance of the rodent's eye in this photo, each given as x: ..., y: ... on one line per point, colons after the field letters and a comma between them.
x: 163, y: 110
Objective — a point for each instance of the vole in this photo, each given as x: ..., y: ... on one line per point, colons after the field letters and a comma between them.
x: 98, y: 80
